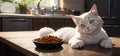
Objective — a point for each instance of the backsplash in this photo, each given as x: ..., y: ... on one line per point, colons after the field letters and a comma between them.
x: 74, y: 5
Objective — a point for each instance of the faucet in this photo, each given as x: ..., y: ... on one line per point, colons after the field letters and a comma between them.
x: 52, y: 9
x: 38, y: 6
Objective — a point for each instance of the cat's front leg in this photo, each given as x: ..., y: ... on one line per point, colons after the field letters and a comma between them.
x: 76, y: 43
x: 106, y: 43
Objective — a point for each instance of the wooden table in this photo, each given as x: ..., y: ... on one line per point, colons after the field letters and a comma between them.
x: 22, y: 41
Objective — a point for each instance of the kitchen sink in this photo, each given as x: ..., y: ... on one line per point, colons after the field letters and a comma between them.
x: 55, y: 14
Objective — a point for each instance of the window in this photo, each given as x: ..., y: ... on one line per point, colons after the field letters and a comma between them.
x: 49, y: 3
x: 45, y: 3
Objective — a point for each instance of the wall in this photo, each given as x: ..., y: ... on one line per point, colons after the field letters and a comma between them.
x: 74, y: 5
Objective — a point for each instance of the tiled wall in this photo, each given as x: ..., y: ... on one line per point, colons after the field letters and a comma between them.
x: 74, y: 5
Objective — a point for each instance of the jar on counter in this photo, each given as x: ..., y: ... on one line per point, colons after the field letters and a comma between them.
x: 28, y: 11
x: 33, y: 11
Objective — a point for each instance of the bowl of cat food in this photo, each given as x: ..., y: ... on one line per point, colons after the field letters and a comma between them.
x: 48, y: 42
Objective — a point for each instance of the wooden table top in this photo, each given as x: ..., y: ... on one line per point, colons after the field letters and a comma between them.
x: 22, y: 41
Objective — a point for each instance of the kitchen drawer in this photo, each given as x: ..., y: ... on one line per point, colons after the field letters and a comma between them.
x: 112, y: 30
x: 112, y: 22
x: 17, y: 24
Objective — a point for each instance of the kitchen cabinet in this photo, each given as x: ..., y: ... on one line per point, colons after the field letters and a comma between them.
x: 112, y: 27
x: 11, y: 51
x: 2, y: 49
x: 16, y: 24
x: 102, y: 6
x: 115, y: 9
x: 54, y: 23
x: 109, y: 10
x: 0, y: 24
x: 6, y: 50
x: 69, y: 23
x: 39, y: 23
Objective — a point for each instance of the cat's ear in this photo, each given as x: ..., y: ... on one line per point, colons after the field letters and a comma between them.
x: 94, y: 10
x: 75, y: 19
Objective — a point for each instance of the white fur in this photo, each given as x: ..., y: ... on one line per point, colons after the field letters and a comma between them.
x: 45, y: 31
x: 64, y: 33
x: 88, y: 31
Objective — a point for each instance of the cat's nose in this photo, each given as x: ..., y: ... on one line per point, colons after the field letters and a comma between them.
x: 88, y: 28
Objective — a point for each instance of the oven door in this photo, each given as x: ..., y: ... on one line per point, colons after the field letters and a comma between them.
x: 17, y: 24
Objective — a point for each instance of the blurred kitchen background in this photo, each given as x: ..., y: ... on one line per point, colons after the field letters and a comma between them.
x: 57, y: 10
x: 47, y: 6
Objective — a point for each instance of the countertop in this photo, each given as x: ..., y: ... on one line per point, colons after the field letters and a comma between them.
x: 22, y: 41
x: 34, y: 16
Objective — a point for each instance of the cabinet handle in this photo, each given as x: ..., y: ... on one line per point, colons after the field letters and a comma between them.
x: 17, y: 20
x: 114, y: 17
x: 111, y: 25
x: 104, y: 17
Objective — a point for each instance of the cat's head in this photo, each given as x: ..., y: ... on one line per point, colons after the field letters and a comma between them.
x: 88, y: 22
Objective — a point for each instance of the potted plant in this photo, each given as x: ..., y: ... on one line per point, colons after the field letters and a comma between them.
x: 23, y: 7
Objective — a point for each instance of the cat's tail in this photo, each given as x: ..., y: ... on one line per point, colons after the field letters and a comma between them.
x: 45, y: 31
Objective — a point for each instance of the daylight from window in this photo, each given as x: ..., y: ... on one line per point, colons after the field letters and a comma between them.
x: 45, y: 3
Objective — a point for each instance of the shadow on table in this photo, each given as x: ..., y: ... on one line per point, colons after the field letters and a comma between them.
x: 48, y: 50
x: 115, y: 51
x: 95, y: 47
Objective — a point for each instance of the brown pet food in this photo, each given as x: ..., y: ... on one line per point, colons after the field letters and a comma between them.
x: 48, y: 39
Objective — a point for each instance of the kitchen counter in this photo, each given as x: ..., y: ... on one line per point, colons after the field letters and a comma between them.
x: 22, y: 41
x: 34, y: 16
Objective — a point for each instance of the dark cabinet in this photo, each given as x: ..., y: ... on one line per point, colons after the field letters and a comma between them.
x: 112, y: 30
x: 0, y: 24
x: 109, y: 10
x: 10, y: 51
x: 69, y: 23
x: 16, y: 24
x: 39, y: 23
x: 2, y: 49
x: 27, y: 24
x: 54, y: 23
x: 6, y: 50
x: 102, y: 6
x: 115, y: 9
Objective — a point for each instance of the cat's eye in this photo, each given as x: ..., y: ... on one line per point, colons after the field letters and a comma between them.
x: 82, y: 25
x: 91, y: 21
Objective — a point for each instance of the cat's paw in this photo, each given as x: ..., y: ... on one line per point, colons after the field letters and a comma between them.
x: 76, y: 43
x: 106, y: 43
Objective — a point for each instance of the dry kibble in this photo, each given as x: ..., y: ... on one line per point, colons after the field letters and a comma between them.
x: 48, y: 39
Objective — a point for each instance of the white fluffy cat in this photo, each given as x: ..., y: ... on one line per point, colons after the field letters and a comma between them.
x: 88, y: 31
